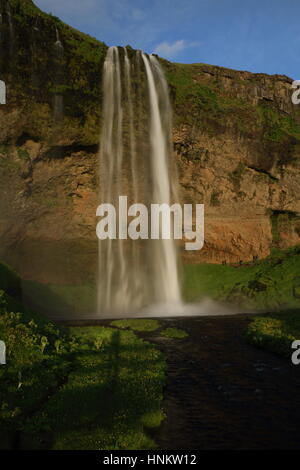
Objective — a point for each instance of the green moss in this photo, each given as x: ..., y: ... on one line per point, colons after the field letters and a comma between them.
x: 281, y: 221
x: 23, y: 154
x: 236, y: 176
x: 275, y: 332
x: 277, y: 127
x: 175, y: 333
x: 39, y: 73
x: 214, y: 199
x: 196, y: 99
x: 266, y: 284
x: 137, y: 324
x: 25, y: 7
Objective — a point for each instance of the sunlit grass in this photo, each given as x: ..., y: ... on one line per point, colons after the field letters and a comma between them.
x: 175, y: 333
x: 271, y: 283
x: 137, y: 324
x: 275, y: 332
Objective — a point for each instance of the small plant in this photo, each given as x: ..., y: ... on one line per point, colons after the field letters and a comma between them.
x: 98, y: 343
x: 73, y: 345
x: 57, y: 345
x: 20, y: 383
x: 175, y: 333
x: 44, y: 343
x: 32, y: 324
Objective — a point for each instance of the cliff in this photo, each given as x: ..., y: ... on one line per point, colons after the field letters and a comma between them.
x: 236, y: 141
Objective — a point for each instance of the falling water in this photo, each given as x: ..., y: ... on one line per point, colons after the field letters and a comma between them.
x: 135, y: 160
x: 58, y: 101
x: 58, y: 43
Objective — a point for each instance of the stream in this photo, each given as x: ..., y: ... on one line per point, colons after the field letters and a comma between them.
x: 223, y: 393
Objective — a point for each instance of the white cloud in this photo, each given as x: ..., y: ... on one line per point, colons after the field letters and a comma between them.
x: 170, y: 50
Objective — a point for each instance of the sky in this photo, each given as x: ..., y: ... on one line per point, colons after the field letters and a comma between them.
x: 254, y: 35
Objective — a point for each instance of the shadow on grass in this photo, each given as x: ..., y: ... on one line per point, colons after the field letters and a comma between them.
x: 108, y: 400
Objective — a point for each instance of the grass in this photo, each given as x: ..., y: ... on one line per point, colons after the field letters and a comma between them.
x: 197, y: 99
x: 110, y: 398
x: 78, y: 388
x: 271, y: 283
x: 38, y: 360
x: 275, y: 332
x: 175, y: 333
x: 137, y: 324
x: 277, y: 126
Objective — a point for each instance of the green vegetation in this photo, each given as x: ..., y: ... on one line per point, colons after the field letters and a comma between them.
x: 271, y: 283
x: 199, y: 93
x: 203, y: 100
x: 214, y: 199
x: 282, y: 221
x: 277, y: 126
x: 34, y: 368
x: 39, y: 72
x: 9, y: 280
x: 111, y: 396
x: 175, y: 333
x: 275, y: 332
x: 23, y: 154
x: 75, y: 388
x: 64, y: 299
x: 138, y: 324
x: 236, y: 176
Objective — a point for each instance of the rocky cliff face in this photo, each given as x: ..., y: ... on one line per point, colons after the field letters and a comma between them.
x: 236, y: 141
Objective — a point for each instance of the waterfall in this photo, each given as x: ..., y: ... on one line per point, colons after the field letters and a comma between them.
x: 135, y: 160
x: 166, y: 268
x: 58, y: 100
x: 58, y: 43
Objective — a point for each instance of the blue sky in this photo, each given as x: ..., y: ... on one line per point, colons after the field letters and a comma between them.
x: 254, y: 35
